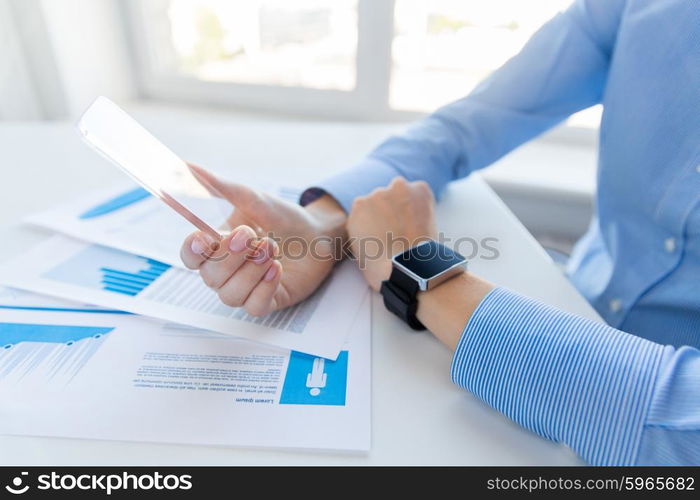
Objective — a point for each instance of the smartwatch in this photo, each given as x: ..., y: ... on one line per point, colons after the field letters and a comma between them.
x: 419, y: 268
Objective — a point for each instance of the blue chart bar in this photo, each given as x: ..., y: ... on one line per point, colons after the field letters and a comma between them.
x: 132, y: 283
x: 109, y: 269
x: 64, y: 309
x: 119, y: 202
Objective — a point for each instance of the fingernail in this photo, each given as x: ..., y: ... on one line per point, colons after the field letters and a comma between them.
x: 202, y: 245
x: 239, y: 241
x: 261, y: 254
x: 198, y: 246
x: 271, y: 273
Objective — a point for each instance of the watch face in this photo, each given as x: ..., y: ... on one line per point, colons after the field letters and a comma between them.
x: 429, y: 259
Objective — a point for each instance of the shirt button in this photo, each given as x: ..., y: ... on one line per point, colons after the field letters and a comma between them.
x: 615, y: 305
x: 670, y: 245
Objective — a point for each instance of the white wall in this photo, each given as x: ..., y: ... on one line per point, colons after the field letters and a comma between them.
x: 56, y: 56
x: 18, y: 97
x: 89, y: 45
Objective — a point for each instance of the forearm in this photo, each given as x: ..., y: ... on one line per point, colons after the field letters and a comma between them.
x: 671, y: 433
x: 446, y: 309
x: 330, y: 219
x: 561, y: 70
x: 567, y: 378
x: 330, y: 215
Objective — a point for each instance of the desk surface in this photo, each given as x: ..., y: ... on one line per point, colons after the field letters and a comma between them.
x: 418, y: 415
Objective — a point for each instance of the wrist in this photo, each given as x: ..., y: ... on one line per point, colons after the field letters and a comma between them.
x: 446, y: 309
x: 330, y: 219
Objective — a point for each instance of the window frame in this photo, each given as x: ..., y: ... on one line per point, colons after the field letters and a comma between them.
x: 368, y: 101
x: 369, y: 98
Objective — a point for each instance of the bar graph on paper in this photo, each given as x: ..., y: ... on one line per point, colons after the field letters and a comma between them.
x: 109, y: 269
x: 124, y: 273
x: 132, y: 283
x: 47, y: 353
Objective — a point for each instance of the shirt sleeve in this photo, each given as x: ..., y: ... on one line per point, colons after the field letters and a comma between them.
x: 561, y: 70
x: 672, y: 428
x: 614, y: 398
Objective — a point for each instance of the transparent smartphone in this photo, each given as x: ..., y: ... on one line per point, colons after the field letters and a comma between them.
x: 123, y: 141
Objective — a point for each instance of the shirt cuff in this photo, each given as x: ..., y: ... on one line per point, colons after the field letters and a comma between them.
x: 354, y: 182
x: 564, y: 377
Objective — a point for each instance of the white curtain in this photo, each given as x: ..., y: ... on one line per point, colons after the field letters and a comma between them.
x: 30, y: 87
x: 18, y: 99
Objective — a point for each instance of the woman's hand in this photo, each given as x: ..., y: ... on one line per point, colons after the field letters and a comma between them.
x: 394, y: 219
x: 388, y: 221
x: 277, y: 253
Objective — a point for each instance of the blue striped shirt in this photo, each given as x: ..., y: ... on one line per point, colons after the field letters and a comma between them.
x: 627, y: 392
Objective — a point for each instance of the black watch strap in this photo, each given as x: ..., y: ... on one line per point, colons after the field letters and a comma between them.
x: 399, y: 293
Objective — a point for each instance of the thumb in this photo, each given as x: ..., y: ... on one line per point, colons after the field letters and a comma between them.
x: 242, y: 197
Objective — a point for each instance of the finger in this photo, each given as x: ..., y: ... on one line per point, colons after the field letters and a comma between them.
x: 236, y: 290
x: 261, y: 300
x: 204, y: 177
x: 236, y: 248
x: 265, y: 249
x: 358, y: 204
x: 196, y: 248
x: 422, y: 188
x: 377, y: 192
x: 398, y: 182
x: 242, y: 197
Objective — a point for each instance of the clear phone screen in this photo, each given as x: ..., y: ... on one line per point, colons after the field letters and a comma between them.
x: 121, y: 139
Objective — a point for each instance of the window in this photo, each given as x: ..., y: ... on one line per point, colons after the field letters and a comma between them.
x: 311, y: 43
x: 367, y: 59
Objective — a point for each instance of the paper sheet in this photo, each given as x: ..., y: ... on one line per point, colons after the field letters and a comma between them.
x: 15, y: 298
x: 110, y: 278
x: 128, y: 218
x: 123, y: 377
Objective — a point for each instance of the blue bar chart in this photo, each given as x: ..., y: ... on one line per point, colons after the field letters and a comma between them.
x: 131, y: 283
x: 109, y: 269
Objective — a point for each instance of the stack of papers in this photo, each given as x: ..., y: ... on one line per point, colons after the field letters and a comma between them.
x: 104, y: 335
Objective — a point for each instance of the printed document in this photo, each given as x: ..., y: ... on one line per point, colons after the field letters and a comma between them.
x: 110, y: 278
x: 129, y: 218
x: 74, y: 372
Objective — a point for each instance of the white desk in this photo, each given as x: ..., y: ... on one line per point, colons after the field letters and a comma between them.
x: 418, y: 416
